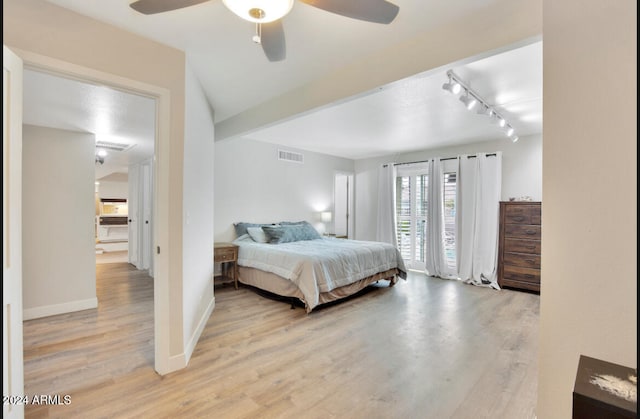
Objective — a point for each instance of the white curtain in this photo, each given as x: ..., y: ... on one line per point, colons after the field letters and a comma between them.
x: 435, y: 258
x: 478, y: 206
x: 386, y: 226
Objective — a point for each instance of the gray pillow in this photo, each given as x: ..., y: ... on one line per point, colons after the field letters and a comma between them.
x: 241, y: 228
x: 291, y: 233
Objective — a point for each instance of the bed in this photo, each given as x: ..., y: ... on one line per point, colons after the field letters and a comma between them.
x: 311, y: 268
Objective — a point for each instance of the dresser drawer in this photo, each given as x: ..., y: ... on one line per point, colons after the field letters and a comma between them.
x: 524, y: 285
x: 521, y: 274
x: 522, y: 246
x: 522, y: 231
x: 224, y: 255
x: 522, y: 260
x: 522, y: 214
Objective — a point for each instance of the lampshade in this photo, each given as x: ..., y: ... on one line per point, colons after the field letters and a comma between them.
x: 259, y: 11
x: 325, y: 216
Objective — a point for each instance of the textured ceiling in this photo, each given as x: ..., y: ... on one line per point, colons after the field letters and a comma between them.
x: 112, y: 116
x: 413, y: 113
x: 416, y: 113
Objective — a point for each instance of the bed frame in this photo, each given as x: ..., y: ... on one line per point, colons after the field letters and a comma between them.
x: 287, y: 290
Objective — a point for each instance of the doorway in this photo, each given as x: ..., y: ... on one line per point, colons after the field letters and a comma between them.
x: 161, y: 226
x: 343, y: 205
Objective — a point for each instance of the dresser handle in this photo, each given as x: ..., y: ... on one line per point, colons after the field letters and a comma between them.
x: 530, y: 261
x: 518, y: 218
x: 530, y: 232
x: 531, y: 247
x: 528, y: 276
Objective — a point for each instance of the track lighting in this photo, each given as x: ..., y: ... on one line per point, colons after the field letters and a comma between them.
x: 452, y: 86
x: 509, y: 131
x: 485, y: 110
x: 468, y: 101
x: 471, y: 99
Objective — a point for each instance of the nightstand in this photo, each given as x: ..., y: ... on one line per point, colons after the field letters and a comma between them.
x: 227, y: 255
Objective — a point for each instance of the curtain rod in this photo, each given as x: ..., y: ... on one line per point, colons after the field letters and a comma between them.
x: 471, y: 156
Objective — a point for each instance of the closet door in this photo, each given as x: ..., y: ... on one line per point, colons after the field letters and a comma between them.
x: 134, y: 212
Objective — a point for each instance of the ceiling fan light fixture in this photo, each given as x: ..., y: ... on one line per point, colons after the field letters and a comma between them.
x: 259, y: 11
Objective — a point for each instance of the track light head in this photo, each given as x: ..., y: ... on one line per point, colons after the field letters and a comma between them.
x: 452, y: 86
x: 486, y: 111
x: 469, y: 101
x: 515, y: 139
x: 509, y: 131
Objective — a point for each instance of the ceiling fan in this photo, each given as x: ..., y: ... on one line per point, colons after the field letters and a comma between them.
x: 267, y: 15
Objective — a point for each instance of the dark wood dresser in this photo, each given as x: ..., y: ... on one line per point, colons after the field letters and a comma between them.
x: 519, y: 245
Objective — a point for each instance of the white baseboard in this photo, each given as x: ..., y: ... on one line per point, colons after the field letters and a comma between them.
x: 52, y: 310
x: 191, y: 346
x: 180, y: 361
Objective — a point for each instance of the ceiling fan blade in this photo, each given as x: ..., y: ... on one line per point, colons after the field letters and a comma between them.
x: 376, y: 11
x: 151, y: 7
x: 272, y: 40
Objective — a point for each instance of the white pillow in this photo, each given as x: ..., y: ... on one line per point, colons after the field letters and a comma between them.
x: 258, y: 234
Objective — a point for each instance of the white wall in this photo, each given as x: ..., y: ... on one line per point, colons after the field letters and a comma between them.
x: 521, y: 175
x: 252, y: 185
x: 197, y: 229
x: 113, y: 190
x: 588, y: 300
x: 59, y: 274
x: 51, y: 37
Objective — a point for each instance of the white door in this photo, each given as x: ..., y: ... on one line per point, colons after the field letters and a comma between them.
x: 342, y: 204
x: 12, y: 362
x: 133, y: 205
x: 146, y: 202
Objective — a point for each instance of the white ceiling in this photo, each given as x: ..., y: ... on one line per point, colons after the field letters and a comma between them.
x: 417, y: 114
x: 411, y: 114
x: 112, y: 116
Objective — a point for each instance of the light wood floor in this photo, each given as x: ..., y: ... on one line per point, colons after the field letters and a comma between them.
x: 426, y: 348
x: 120, y: 256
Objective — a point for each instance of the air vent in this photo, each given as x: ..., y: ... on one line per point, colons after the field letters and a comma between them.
x: 113, y: 146
x: 290, y: 156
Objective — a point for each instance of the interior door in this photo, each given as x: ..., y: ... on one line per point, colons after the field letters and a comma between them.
x: 12, y: 360
x: 342, y: 204
x: 146, y: 211
x: 133, y: 205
